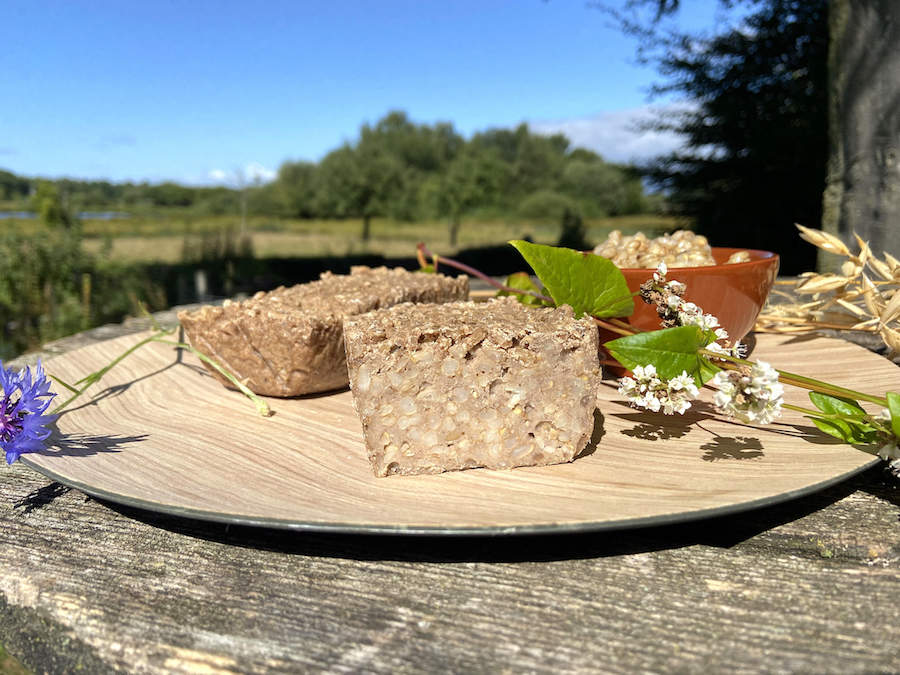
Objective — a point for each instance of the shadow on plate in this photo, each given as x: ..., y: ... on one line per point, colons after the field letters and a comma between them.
x: 596, y: 436
x: 85, y: 445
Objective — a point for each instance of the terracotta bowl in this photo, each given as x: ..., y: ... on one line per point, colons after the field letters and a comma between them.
x: 735, y: 293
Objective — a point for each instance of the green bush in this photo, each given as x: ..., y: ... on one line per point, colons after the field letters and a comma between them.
x: 50, y: 288
x: 572, y: 232
x: 546, y: 205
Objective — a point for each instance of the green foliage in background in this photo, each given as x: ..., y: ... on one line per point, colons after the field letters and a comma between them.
x: 47, y: 203
x: 395, y: 169
x: 50, y: 288
x: 66, y: 270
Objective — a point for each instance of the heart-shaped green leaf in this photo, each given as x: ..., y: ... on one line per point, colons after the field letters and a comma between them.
x: 590, y: 283
x: 671, y: 350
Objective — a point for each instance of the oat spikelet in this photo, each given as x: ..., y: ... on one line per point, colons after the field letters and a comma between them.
x: 882, y: 269
x: 821, y: 283
x: 891, y: 338
x: 894, y: 263
x: 824, y: 240
x: 851, y: 300
x: 892, y: 310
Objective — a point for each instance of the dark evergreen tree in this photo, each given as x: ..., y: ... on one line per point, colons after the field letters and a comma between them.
x: 756, y: 135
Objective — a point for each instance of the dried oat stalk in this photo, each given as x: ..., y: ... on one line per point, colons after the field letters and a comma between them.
x: 864, y: 296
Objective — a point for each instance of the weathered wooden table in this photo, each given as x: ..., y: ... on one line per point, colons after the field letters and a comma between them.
x: 807, y: 586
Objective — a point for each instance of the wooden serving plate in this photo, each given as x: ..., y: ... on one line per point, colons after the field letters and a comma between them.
x: 161, y: 434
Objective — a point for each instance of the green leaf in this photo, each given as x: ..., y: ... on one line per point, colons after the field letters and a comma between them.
x: 589, y: 283
x: 846, y: 430
x: 836, y: 423
x: 707, y: 369
x: 522, y: 281
x: 894, y: 406
x: 836, y: 405
x: 671, y: 350
x: 836, y: 428
x: 428, y: 269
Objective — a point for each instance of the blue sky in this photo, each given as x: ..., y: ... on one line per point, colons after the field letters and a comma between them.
x: 193, y: 90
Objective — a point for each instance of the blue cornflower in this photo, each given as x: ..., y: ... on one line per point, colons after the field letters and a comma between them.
x: 23, y: 399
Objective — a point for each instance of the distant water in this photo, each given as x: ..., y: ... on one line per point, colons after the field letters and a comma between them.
x: 103, y: 215
x: 83, y: 215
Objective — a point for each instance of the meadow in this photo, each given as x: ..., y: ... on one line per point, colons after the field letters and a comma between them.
x: 59, y: 280
x: 167, y: 240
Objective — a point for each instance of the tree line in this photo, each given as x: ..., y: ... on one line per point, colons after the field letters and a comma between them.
x: 72, y: 196
x: 407, y: 171
x: 398, y: 169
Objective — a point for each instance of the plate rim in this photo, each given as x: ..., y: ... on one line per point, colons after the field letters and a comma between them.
x: 319, y: 527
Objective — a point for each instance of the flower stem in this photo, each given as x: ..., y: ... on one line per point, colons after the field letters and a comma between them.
x: 261, y: 406
x: 869, y: 419
x: 88, y: 380
x: 157, y: 336
x: 819, y: 413
x: 827, y: 388
x: 613, y: 327
x: 805, y: 382
x: 801, y: 409
x: 625, y: 326
x: 423, y: 251
x: 62, y: 382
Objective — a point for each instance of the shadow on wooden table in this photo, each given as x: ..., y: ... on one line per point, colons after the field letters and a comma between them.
x: 722, y: 532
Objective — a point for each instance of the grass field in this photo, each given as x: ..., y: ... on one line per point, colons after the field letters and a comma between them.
x: 9, y: 665
x: 162, y: 240
x: 57, y: 292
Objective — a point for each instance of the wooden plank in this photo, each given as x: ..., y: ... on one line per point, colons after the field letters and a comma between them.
x: 808, y: 586
x: 805, y: 586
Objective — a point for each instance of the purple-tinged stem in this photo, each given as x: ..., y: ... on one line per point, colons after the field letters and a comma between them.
x: 424, y: 253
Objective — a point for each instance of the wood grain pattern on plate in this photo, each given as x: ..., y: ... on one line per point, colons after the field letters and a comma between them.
x: 160, y: 433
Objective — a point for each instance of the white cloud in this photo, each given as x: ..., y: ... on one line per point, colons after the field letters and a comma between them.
x: 253, y: 172
x: 256, y: 172
x: 618, y: 135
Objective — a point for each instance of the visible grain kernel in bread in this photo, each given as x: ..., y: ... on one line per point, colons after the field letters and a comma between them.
x: 464, y: 385
x: 289, y: 341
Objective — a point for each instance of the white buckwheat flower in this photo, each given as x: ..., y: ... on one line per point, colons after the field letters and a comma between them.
x: 648, y: 390
x: 890, y: 453
x: 659, y: 276
x: 691, y: 315
x: 751, y: 394
x: 676, y: 287
x: 891, y: 448
x: 738, y: 350
x: 717, y: 348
